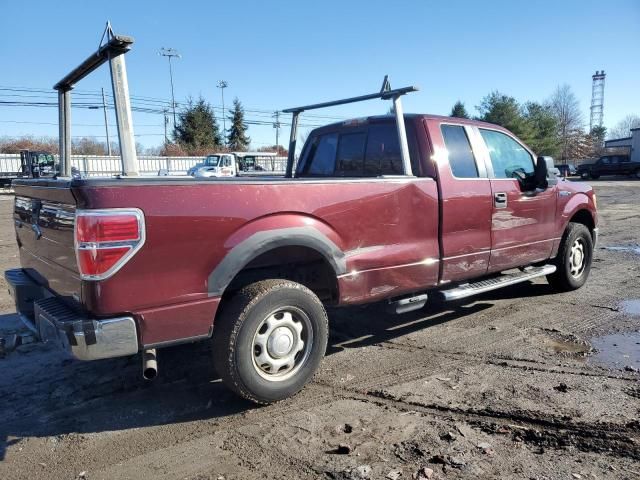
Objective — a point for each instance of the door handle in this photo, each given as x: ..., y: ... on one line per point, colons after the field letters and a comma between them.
x: 500, y: 200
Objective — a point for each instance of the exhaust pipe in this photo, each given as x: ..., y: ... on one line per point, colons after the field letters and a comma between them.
x: 149, y: 364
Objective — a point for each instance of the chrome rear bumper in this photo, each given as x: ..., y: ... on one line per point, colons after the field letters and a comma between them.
x: 55, y: 321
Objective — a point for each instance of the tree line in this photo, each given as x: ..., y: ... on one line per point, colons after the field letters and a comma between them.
x: 554, y: 127
x: 197, y: 131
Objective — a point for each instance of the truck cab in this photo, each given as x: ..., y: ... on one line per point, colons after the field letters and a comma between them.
x: 218, y: 165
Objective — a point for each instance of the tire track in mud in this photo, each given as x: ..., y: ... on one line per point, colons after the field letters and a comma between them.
x: 551, y: 432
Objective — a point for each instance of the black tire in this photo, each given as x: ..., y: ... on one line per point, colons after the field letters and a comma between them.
x: 235, y: 334
x: 563, y: 280
x: 584, y: 175
x: 595, y: 176
x: 637, y: 174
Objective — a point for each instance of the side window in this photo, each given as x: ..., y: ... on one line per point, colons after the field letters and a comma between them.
x: 461, y: 159
x: 507, y: 155
x: 350, y: 159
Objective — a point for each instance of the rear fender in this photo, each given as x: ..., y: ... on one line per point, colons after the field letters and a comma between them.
x: 275, y: 231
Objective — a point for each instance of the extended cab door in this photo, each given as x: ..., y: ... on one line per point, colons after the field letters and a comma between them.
x: 465, y: 201
x: 522, y: 219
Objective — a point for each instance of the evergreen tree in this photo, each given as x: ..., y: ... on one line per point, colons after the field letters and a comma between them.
x: 459, y: 111
x: 505, y: 111
x: 197, y: 127
x: 237, y: 138
x: 544, y: 138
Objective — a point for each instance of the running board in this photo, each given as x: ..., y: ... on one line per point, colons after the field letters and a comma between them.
x: 482, y: 286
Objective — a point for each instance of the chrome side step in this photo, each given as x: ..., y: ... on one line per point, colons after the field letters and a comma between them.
x: 407, y: 304
x: 482, y: 286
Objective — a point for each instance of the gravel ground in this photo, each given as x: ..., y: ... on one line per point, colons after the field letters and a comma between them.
x: 518, y: 383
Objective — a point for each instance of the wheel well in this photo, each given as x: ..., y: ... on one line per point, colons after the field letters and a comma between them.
x: 584, y: 217
x: 303, y: 265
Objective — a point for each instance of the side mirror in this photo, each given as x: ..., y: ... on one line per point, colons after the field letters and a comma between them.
x: 546, y: 174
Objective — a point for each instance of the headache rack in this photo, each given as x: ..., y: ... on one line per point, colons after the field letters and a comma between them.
x: 385, y: 93
x: 111, y: 51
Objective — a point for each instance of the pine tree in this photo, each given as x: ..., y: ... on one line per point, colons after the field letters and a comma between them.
x: 197, y: 127
x: 237, y: 138
x: 544, y: 138
x: 505, y: 111
x: 459, y: 111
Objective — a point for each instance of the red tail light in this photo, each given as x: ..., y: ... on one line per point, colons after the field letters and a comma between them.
x: 107, y: 239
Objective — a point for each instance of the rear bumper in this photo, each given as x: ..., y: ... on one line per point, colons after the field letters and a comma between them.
x: 54, y: 321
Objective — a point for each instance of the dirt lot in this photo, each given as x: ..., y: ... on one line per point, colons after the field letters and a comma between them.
x: 519, y: 383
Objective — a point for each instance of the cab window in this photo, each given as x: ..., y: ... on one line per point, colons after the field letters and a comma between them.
x: 461, y: 159
x: 361, y: 153
x: 507, y: 156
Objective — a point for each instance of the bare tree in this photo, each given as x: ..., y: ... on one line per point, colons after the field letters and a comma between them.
x: 623, y: 127
x: 566, y: 109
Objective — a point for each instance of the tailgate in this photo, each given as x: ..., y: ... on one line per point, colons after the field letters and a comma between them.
x: 44, y: 216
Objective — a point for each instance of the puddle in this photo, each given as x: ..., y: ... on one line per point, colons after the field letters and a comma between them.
x: 619, y: 350
x: 622, y: 248
x: 566, y: 344
x: 631, y: 307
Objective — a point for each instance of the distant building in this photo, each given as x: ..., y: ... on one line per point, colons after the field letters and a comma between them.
x: 631, y: 144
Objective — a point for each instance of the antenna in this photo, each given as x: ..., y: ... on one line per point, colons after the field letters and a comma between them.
x: 597, y: 100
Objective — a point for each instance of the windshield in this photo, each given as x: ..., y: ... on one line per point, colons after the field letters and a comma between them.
x: 212, y: 160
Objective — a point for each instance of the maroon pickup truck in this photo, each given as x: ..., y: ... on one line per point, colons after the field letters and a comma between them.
x: 119, y: 266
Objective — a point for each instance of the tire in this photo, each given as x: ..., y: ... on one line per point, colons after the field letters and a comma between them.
x: 595, y: 176
x: 584, y: 175
x: 637, y: 174
x: 568, y: 276
x: 254, y: 331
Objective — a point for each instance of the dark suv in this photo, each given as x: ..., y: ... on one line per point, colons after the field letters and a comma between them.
x: 610, y: 165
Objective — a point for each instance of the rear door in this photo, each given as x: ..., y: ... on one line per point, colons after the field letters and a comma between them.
x: 465, y: 201
x: 522, y: 221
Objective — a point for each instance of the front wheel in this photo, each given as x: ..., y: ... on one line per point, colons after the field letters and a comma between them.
x: 573, y: 262
x: 269, y: 340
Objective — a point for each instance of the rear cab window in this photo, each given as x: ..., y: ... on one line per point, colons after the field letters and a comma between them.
x: 461, y: 159
x: 371, y: 150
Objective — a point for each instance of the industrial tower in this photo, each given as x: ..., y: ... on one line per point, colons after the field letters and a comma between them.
x: 597, y: 100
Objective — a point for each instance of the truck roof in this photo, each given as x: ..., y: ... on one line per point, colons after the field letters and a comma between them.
x: 352, y: 122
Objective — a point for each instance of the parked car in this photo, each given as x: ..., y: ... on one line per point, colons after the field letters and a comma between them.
x: 610, y: 165
x: 566, y: 170
x: 116, y: 266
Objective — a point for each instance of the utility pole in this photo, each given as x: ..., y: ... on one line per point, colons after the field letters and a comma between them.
x: 170, y: 53
x: 222, y: 84
x: 276, y: 125
x: 106, y: 123
x: 166, y: 122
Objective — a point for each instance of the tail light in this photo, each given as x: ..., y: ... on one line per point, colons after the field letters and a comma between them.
x: 107, y: 239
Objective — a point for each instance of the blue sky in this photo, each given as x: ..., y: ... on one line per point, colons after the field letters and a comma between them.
x: 281, y: 54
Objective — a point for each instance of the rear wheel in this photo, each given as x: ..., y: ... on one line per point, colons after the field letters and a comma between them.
x: 269, y: 340
x: 573, y: 262
x: 595, y: 176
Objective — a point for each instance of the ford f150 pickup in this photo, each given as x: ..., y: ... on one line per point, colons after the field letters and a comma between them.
x: 117, y: 266
x: 392, y: 209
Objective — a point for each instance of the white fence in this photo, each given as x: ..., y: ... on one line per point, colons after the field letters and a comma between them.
x: 100, y: 166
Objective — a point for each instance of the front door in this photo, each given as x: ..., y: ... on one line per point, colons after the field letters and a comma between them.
x: 523, y: 219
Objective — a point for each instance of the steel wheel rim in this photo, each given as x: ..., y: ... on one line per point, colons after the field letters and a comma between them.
x: 577, y: 258
x: 282, y: 344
